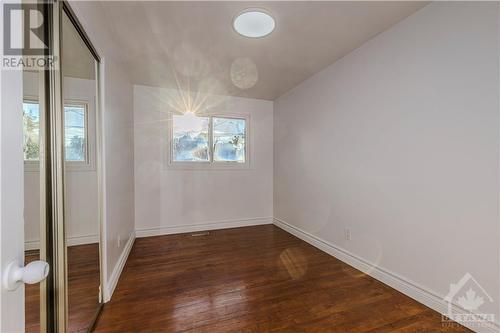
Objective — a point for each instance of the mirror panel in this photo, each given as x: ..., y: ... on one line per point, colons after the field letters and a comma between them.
x: 81, y: 216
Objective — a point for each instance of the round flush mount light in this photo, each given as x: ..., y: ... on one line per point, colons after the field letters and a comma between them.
x: 253, y: 23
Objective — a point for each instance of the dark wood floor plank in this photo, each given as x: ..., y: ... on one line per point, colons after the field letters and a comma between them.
x: 253, y: 279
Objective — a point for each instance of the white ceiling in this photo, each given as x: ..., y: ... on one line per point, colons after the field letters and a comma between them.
x: 191, y: 45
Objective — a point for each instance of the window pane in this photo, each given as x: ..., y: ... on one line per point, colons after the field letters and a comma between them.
x: 74, y: 133
x: 31, y: 122
x: 190, y: 138
x: 229, y: 139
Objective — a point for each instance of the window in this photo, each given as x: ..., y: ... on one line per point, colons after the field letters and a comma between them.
x: 229, y: 139
x: 215, y: 140
x: 75, y: 132
x: 190, y: 141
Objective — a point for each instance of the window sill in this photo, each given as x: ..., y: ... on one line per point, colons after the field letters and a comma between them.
x: 206, y: 166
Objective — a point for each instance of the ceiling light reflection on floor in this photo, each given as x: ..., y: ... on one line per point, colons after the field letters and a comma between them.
x: 295, y: 262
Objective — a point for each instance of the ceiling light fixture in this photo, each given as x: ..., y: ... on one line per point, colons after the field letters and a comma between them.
x: 253, y: 23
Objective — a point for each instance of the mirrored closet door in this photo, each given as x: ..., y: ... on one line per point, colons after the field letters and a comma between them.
x: 82, y: 212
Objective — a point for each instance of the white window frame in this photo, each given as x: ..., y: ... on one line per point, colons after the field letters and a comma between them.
x: 210, y: 164
x: 90, y: 140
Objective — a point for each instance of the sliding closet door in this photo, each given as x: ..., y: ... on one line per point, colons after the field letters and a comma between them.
x: 74, y: 175
x: 81, y: 175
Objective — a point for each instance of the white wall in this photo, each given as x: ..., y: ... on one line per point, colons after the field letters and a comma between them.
x: 172, y: 201
x: 118, y: 140
x: 81, y: 185
x: 399, y: 141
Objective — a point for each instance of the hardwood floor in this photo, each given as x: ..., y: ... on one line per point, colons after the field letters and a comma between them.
x: 83, y: 290
x: 253, y: 279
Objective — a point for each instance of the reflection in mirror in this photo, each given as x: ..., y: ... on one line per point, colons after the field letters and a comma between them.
x: 32, y: 217
x: 81, y: 179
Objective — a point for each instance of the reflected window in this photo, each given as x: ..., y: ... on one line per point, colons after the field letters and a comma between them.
x: 31, y: 131
x: 75, y: 132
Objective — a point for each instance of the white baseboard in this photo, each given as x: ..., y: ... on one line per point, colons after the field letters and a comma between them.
x: 405, y: 286
x: 179, y: 229
x: 117, y: 271
x: 71, y: 241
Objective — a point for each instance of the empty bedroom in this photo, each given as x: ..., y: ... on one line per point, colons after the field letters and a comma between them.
x: 239, y: 166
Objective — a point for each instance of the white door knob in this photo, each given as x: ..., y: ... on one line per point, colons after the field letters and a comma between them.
x: 14, y: 274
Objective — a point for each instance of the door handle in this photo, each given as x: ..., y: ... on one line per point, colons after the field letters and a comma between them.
x: 14, y: 274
